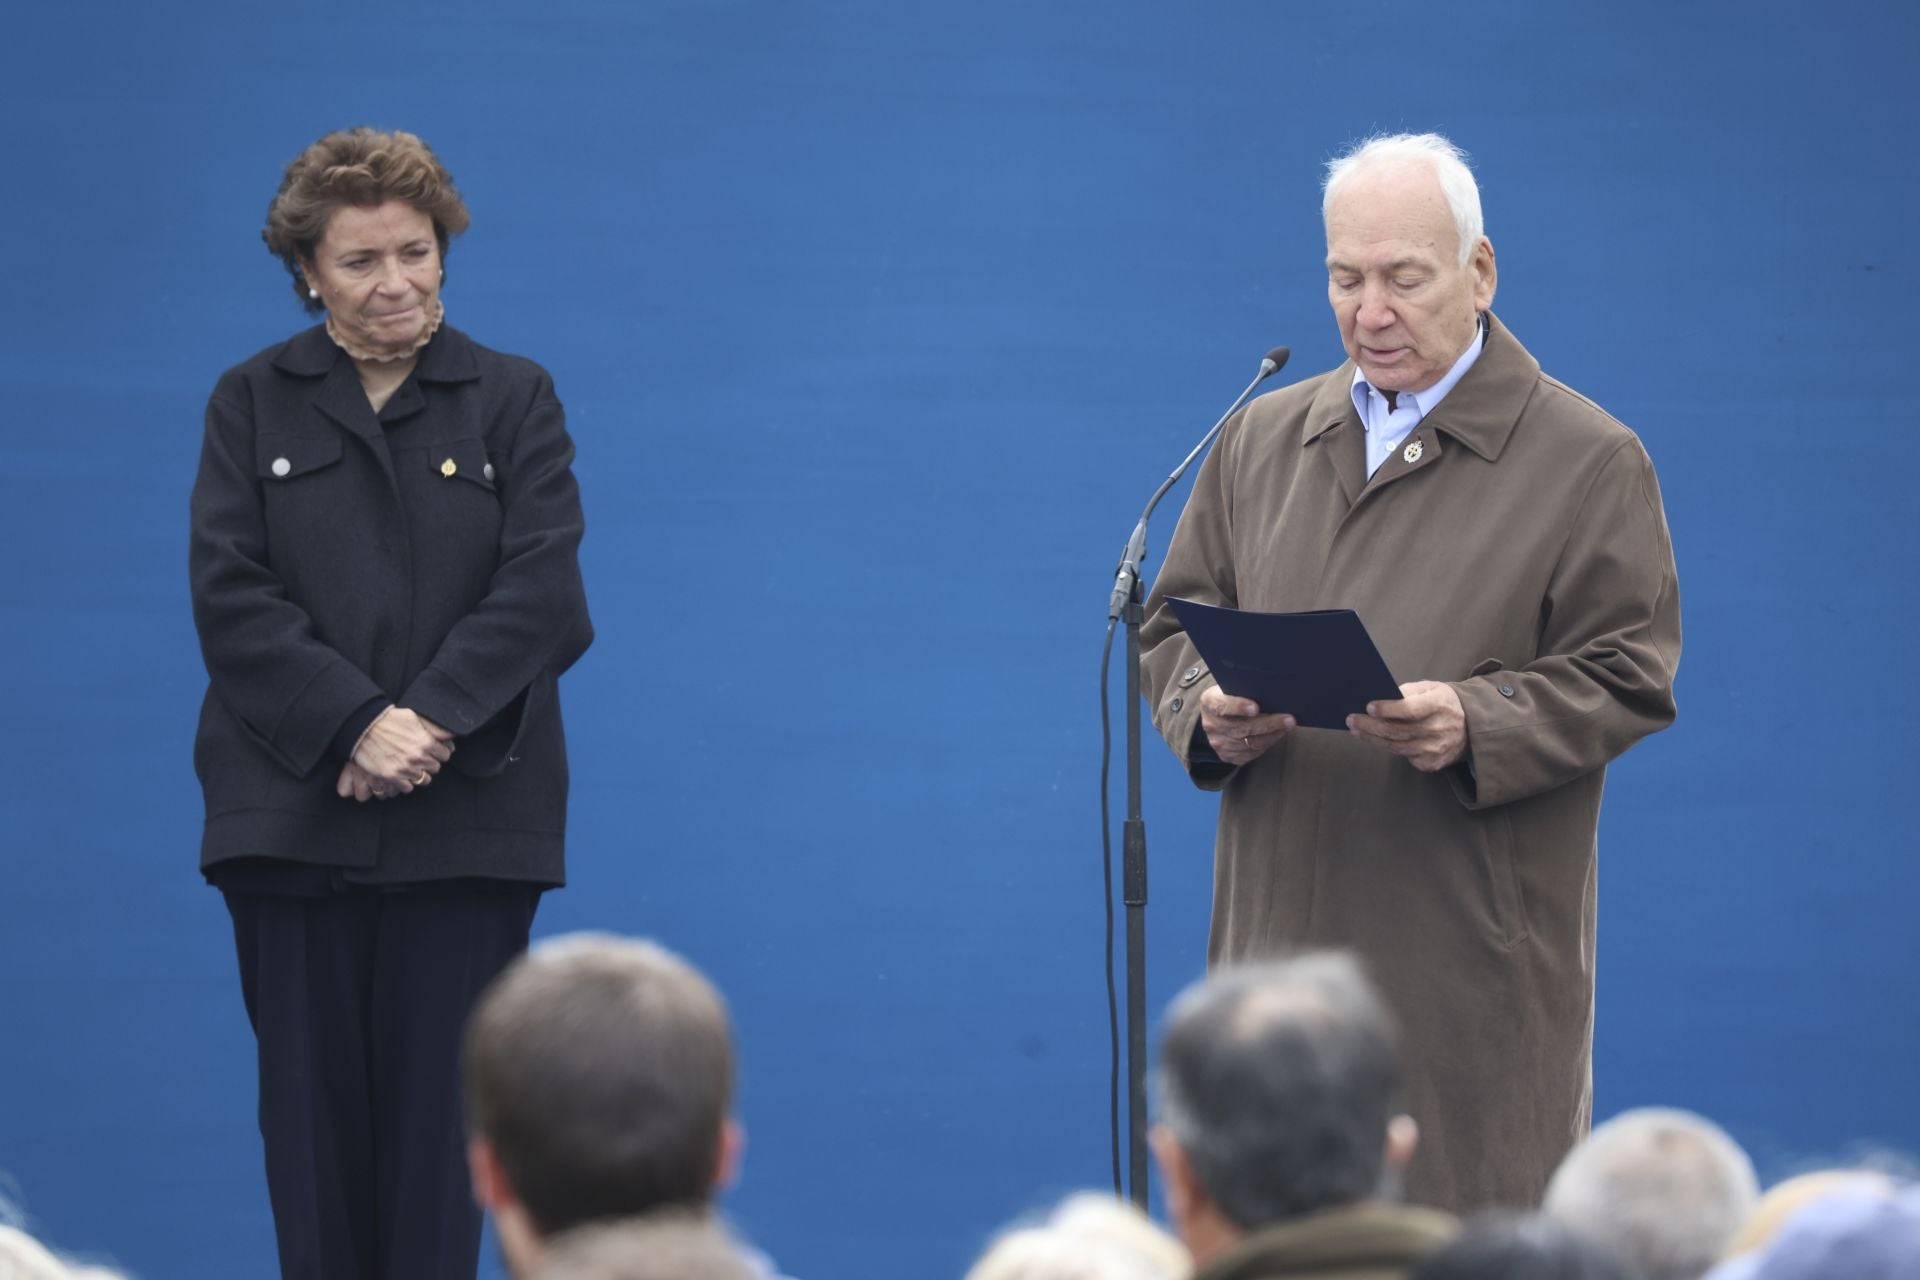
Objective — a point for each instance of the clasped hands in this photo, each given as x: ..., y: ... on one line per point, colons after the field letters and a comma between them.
x: 1427, y: 726
x: 400, y: 750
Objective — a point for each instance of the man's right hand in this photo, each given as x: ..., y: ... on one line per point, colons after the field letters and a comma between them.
x: 1237, y: 730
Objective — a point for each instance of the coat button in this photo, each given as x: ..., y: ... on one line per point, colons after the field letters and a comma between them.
x: 1506, y: 691
x: 1177, y: 703
x: 281, y: 467
x: 487, y: 471
x: 1190, y: 675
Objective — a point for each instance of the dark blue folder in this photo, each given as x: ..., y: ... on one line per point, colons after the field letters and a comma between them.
x: 1318, y: 667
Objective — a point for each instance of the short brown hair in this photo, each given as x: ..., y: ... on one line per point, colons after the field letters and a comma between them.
x: 365, y: 167
x: 599, y: 1070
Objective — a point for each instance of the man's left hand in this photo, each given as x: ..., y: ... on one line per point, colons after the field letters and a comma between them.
x: 1427, y: 725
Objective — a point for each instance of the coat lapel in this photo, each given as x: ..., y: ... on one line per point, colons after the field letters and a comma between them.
x: 337, y: 393
x: 1333, y: 425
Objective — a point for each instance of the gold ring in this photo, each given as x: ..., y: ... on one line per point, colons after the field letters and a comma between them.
x: 423, y: 779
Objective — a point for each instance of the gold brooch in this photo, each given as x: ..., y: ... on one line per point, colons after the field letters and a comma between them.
x: 1411, y: 453
x: 447, y: 468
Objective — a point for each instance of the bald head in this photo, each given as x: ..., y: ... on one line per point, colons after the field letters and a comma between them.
x: 1667, y: 1189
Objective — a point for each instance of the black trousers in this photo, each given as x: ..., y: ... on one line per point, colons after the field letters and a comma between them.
x: 357, y: 1000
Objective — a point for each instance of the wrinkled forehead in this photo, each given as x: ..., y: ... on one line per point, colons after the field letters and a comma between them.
x: 1402, y: 206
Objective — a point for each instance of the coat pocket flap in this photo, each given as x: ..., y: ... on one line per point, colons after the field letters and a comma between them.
x: 464, y: 459
x: 282, y: 455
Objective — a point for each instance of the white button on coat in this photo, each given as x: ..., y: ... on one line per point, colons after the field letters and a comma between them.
x: 281, y: 467
x: 487, y: 471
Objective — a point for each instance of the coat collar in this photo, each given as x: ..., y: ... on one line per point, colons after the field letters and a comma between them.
x: 1374, y: 1237
x: 450, y: 357
x: 1480, y: 411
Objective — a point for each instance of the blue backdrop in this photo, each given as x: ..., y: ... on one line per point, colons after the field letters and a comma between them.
x: 876, y: 322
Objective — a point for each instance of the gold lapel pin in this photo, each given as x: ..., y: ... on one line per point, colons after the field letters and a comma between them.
x: 1411, y: 453
x: 447, y: 468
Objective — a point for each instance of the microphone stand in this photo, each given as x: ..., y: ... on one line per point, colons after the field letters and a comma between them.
x: 1127, y: 603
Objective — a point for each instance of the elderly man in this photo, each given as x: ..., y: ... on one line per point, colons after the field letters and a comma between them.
x: 1503, y: 540
x: 1280, y: 1136
x: 598, y: 1077
x: 1666, y: 1189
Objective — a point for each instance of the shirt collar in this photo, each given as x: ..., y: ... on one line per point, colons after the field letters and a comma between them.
x: 1422, y: 402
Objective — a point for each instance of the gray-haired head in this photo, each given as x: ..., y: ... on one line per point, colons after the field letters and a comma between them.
x: 24, y: 1258
x: 1089, y: 1237
x: 1666, y: 1189
x: 1449, y: 165
x: 1279, y: 1082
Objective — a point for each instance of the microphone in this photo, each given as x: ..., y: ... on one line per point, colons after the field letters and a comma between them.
x: 1128, y: 575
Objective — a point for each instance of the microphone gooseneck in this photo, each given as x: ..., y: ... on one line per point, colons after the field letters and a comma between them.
x: 1128, y: 575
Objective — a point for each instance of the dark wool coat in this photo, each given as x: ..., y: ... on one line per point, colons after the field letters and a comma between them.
x: 1523, y: 556
x: 426, y: 557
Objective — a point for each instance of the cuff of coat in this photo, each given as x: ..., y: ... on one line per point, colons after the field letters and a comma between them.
x: 357, y: 724
x: 1178, y: 717
x: 434, y: 695
x: 1498, y: 768
x: 308, y: 726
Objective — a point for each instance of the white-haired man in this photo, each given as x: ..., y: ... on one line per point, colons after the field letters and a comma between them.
x: 1503, y: 539
x: 1664, y: 1189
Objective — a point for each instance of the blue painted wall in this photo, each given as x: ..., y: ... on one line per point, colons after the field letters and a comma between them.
x: 876, y: 323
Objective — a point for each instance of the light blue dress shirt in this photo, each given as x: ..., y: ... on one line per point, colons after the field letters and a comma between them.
x: 1386, y: 428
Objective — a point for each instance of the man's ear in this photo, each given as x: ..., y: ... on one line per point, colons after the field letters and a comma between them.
x: 733, y: 1150
x: 1184, y: 1193
x: 490, y: 1189
x: 1403, y: 1136
x: 1486, y: 275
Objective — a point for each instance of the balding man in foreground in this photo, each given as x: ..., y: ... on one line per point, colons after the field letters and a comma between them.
x: 1281, y: 1139
x: 1503, y: 540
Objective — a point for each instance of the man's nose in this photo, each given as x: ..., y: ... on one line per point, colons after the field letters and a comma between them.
x: 1374, y: 312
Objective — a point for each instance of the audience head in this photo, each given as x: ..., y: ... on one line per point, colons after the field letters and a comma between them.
x: 1862, y: 1232
x: 24, y: 1258
x: 1089, y: 1237
x: 660, y: 1246
x: 598, y: 1076
x: 1789, y: 1197
x: 1665, y: 1189
x: 1522, y: 1248
x: 1278, y: 1092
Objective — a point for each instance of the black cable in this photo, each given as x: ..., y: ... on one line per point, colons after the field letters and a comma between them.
x: 1106, y: 875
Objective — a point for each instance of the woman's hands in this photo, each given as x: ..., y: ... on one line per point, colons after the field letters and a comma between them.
x: 399, y: 751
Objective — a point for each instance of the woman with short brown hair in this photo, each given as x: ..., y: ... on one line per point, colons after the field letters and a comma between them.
x: 385, y: 530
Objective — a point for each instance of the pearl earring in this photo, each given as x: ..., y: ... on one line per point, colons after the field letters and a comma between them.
x: 313, y: 293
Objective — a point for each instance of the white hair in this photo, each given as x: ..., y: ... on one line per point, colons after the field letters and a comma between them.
x: 1089, y: 1237
x: 1449, y: 165
x: 1666, y: 1189
x: 24, y: 1258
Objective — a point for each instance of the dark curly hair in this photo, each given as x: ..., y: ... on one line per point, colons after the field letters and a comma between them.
x: 365, y: 167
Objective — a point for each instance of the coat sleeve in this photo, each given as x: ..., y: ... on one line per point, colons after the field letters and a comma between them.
x: 1609, y: 647
x: 288, y: 688
x: 533, y: 618
x: 1199, y: 566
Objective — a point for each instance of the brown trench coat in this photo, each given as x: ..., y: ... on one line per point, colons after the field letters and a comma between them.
x: 1524, y: 557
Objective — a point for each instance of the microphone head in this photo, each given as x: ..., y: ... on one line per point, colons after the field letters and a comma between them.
x: 1274, y: 361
